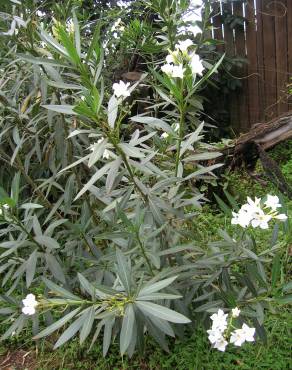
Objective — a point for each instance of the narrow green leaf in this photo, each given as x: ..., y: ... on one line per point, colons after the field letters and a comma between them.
x: 127, y: 328
x: 164, y: 313
x: 88, y: 315
x: 58, y: 324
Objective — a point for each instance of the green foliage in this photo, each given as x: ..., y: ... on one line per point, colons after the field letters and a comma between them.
x: 96, y: 203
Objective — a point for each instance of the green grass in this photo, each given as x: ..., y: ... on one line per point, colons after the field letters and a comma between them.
x: 195, y: 352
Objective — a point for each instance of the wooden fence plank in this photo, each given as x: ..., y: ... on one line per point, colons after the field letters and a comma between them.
x: 289, y: 33
x: 281, y: 41
x: 270, y: 76
x: 253, y: 79
x: 217, y: 24
x: 230, y: 52
x: 260, y: 59
x: 241, y: 72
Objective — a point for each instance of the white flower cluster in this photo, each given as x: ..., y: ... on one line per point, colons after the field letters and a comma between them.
x: 121, y: 89
x: 218, y: 334
x: 29, y: 304
x: 174, y: 61
x: 256, y: 214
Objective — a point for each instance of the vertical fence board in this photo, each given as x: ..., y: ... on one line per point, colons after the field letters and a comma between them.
x: 281, y: 42
x: 260, y: 59
x: 242, y: 98
x: 253, y: 79
x: 289, y: 33
x: 270, y: 76
x: 217, y: 24
x: 230, y: 52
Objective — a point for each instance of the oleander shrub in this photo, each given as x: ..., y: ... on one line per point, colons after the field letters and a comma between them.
x: 99, y: 205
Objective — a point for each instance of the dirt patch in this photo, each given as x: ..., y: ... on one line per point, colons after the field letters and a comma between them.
x: 18, y: 360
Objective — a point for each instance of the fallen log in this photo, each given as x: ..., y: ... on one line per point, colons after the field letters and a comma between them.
x: 253, y: 145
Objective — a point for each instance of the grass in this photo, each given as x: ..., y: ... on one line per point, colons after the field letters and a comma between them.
x: 193, y: 353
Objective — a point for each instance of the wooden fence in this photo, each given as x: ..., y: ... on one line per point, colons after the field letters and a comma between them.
x: 263, y: 39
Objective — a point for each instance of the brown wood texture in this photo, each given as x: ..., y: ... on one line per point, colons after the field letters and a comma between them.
x: 281, y: 42
x: 240, y: 49
x: 264, y: 42
x: 289, y: 54
x: 270, y: 76
x: 252, y: 68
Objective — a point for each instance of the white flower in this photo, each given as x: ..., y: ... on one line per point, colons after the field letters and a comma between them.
x: 272, y: 202
x: 170, y: 59
x: 214, y: 335
x: 164, y: 135
x: 167, y: 69
x: 237, y: 337
x: 196, y: 64
x: 260, y: 219
x: 235, y: 312
x: 252, y: 206
x: 221, y: 344
x: 29, y: 304
x: 281, y: 217
x: 184, y: 45
x: 121, y: 89
x: 248, y: 333
x: 178, y: 71
x: 245, y: 334
x: 217, y: 339
x: 219, y: 320
x: 241, y: 218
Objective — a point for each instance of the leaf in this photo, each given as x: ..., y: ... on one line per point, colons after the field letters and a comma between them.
x: 58, y: 324
x: 53, y: 43
x: 285, y: 300
x: 94, y: 178
x: 151, y: 288
x: 107, y: 335
x: 59, y: 290
x: 70, y: 332
x: 112, y: 111
x: 191, y: 139
x: 43, y: 61
x: 276, y: 270
x: 153, y: 122
x: 131, y: 151
x: 31, y: 267
x: 124, y: 271
x: 65, y: 109
x: 55, y: 268
x: 88, y: 316
x: 164, y: 313
x: 127, y: 328
x: 86, y: 285
x: 47, y: 241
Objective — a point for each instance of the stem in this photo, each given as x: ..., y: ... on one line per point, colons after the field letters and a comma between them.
x: 144, y: 253
x: 18, y: 223
x: 181, y: 134
x: 125, y: 160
